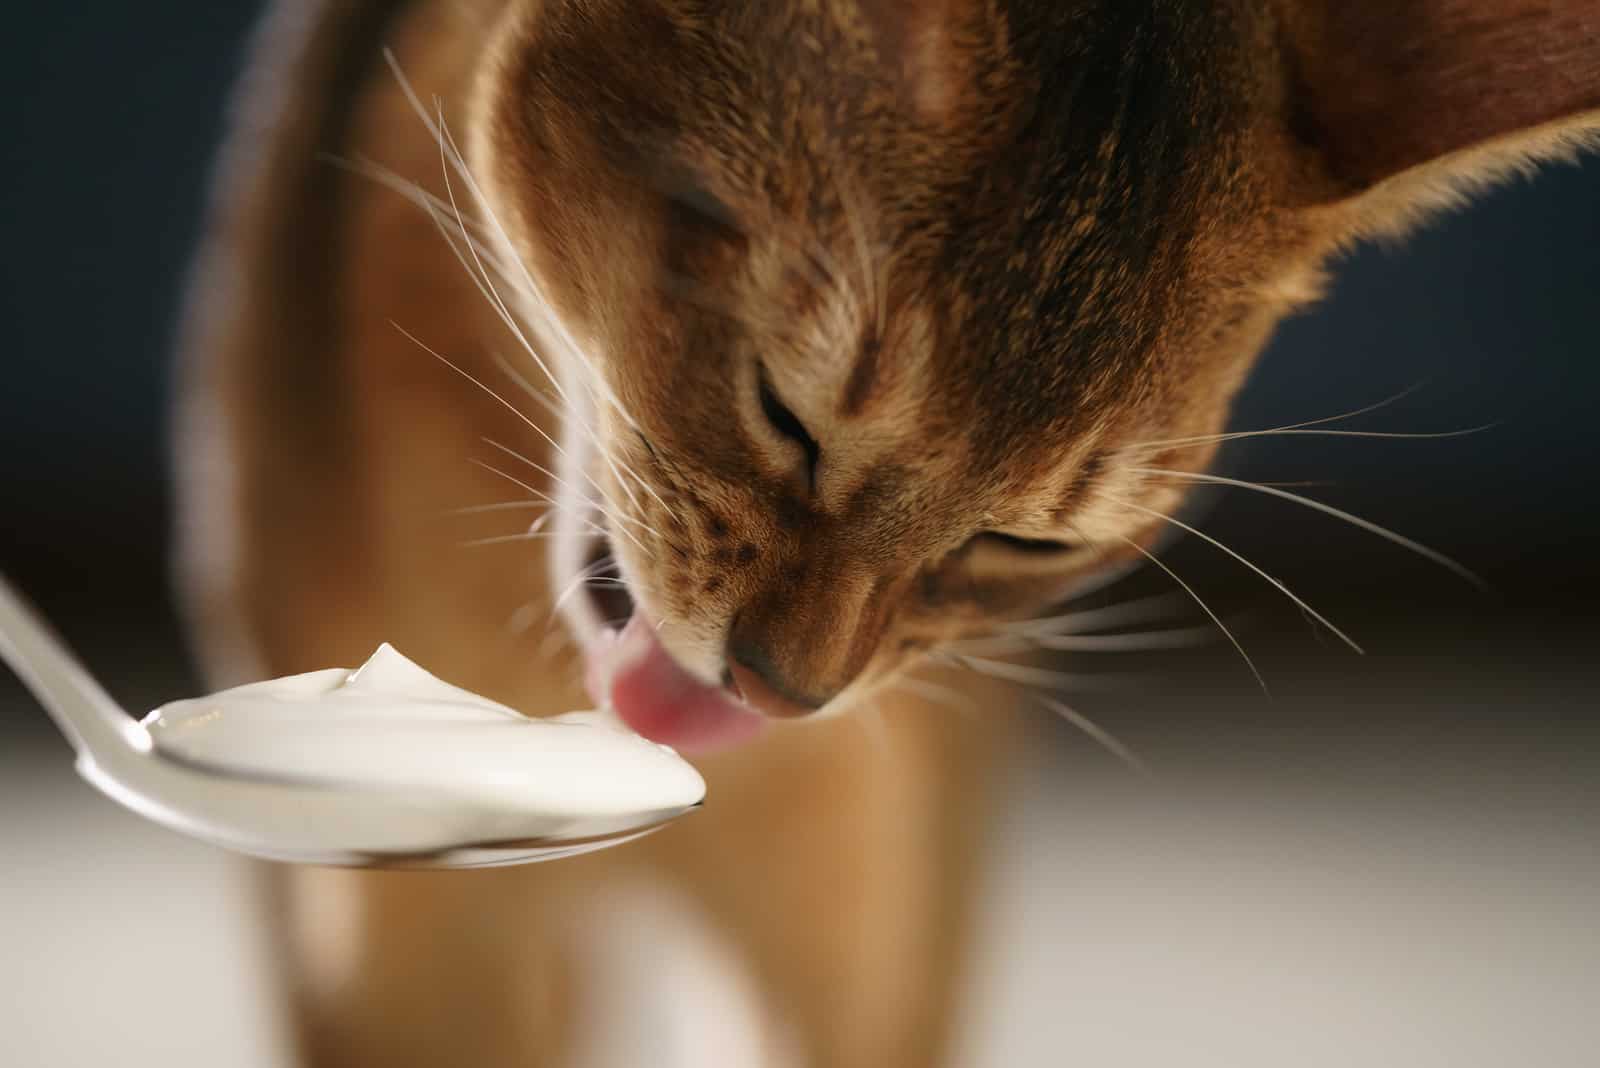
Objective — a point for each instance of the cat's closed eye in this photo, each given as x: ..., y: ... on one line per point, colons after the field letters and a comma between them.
x: 1018, y: 544
x: 786, y: 425
x: 695, y: 210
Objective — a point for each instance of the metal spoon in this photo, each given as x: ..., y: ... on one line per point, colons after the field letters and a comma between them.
x: 444, y: 821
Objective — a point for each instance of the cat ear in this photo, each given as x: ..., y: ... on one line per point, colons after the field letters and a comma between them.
x: 1428, y: 93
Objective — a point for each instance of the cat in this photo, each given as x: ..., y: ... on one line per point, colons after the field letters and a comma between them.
x: 851, y: 330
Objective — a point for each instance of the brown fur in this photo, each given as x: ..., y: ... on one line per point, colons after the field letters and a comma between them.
x: 978, y: 248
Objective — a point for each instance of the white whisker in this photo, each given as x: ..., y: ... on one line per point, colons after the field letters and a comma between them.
x: 1215, y: 618
x: 488, y: 284
x: 1141, y: 610
x: 450, y: 155
x: 500, y: 506
x: 435, y: 207
x: 1386, y: 402
x: 584, y: 577
x: 508, y: 539
x: 571, y: 416
x: 1108, y: 741
x: 1293, y: 432
x: 464, y: 227
x: 532, y: 289
x: 472, y: 263
x: 555, y: 505
x: 1355, y: 520
x: 610, y: 509
x: 470, y: 377
x: 1089, y: 727
x: 1202, y: 535
x: 453, y: 159
x: 1036, y: 676
x: 928, y: 690
x: 534, y: 532
x: 1142, y: 641
x: 567, y: 415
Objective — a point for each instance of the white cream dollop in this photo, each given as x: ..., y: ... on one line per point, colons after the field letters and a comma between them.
x: 392, y: 728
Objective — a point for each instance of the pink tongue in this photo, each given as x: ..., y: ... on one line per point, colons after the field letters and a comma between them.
x: 666, y: 704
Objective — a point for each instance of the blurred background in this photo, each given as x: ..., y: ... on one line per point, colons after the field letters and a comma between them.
x: 1395, y: 859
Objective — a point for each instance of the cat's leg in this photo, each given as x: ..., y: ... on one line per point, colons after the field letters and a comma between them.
x: 420, y: 970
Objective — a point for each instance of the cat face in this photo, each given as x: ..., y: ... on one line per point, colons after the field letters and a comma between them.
x: 873, y: 318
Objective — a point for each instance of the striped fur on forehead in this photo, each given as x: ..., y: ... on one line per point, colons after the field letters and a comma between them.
x: 1068, y: 249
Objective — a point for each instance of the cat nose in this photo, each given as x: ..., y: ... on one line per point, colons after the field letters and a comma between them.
x: 757, y: 683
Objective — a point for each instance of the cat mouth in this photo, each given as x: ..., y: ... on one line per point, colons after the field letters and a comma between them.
x: 628, y: 669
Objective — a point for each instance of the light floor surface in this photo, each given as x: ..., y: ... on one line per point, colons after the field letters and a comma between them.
x: 1418, y: 890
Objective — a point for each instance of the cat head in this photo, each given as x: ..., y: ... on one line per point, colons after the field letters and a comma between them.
x: 872, y: 316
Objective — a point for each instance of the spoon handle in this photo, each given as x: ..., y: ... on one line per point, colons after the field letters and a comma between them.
x: 91, y: 720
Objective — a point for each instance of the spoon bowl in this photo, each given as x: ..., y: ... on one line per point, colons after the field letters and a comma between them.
x: 386, y: 766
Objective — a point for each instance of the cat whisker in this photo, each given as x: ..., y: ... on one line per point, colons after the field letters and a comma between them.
x: 533, y: 533
x: 555, y: 505
x: 618, y: 467
x: 529, y: 422
x: 1029, y: 675
x: 928, y: 690
x: 586, y: 576
x: 480, y: 275
x: 498, y: 398
x: 509, y: 539
x: 1141, y: 641
x: 1355, y: 520
x: 463, y: 228
x: 498, y: 506
x: 610, y: 510
x: 1051, y: 679
x: 1386, y: 402
x: 1206, y: 608
x: 470, y: 377
x: 1382, y: 435
x: 1107, y: 741
x: 1275, y: 583
x: 1140, y: 610
x: 528, y: 287
x: 1304, y: 483
x: 593, y: 381
x: 432, y: 205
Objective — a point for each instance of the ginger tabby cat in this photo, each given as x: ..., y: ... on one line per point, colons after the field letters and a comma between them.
x: 861, y: 320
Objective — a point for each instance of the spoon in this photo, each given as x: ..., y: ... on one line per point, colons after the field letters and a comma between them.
x: 383, y: 767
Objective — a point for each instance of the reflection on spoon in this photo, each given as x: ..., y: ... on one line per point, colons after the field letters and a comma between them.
x: 386, y: 765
